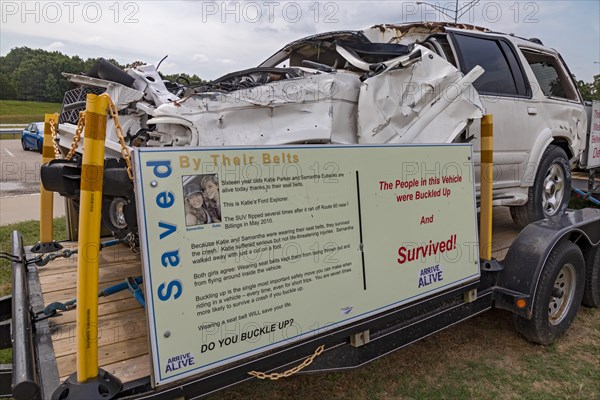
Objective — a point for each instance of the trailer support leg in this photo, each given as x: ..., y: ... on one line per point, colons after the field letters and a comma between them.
x: 47, y: 244
x: 90, y: 382
x: 487, y: 180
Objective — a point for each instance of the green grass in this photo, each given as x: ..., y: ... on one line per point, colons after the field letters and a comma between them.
x: 10, y: 137
x: 30, y: 232
x: 483, y: 358
x: 24, y: 112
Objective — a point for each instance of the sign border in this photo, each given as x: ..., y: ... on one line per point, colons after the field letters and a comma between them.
x: 146, y: 270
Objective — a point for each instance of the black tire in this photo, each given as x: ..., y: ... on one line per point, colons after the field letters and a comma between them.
x: 552, y: 314
x: 40, y: 146
x: 23, y: 144
x: 591, y: 292
x: 553, y: 171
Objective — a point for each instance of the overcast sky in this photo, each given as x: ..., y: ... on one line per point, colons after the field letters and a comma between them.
x: 211, y: 38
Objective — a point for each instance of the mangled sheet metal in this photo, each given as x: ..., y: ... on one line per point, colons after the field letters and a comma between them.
x: 427, y: 102
x: 411, y: 32
x: 339, y: 87
x: 314, y: 108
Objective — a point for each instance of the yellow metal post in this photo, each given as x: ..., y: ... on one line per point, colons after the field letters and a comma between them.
x: 89, y: 236
x: 47, y: 198
x: 47, y: 243
x: 487, y: 180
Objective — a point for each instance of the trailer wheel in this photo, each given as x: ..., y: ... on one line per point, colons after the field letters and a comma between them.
x: 591, y: 293
x: 551, y: 189
x: 558, y: 295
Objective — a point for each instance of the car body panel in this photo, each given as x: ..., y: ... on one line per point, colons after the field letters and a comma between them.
x: 32, y: 136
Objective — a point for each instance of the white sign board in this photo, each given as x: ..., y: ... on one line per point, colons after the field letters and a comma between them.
x: 593, y: 150
x: 248, y: 249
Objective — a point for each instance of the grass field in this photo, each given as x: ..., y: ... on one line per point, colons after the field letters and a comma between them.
x: 24, y: 112
x: 30, y: 231
x: 483, y: 358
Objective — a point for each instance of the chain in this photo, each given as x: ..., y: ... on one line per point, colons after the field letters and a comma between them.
x: 133, y: 241
x: 42, y: 259
x: 57, y: 153
x: 77, y: 137
x: 277, y: 375
x: 114, y: 113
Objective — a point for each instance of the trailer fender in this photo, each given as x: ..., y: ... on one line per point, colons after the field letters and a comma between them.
x: 528, y: 254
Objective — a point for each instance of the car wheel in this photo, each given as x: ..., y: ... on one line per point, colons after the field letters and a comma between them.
x: 591, y: 292
x: 551, y: 189
x: 23, y: 144
x: 40, y: 147
x: 558, y: 295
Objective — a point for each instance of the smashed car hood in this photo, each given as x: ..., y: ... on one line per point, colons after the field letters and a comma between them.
x: 317, y: 108
x: 427, y: 102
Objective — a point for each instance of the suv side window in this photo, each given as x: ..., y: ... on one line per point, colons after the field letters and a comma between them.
x: 502, y: 76
x: 551, y: 78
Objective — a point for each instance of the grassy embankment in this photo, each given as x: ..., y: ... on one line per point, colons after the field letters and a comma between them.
x: 20, y: 113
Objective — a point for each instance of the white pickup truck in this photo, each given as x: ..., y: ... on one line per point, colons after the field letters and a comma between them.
x: 409, y: 83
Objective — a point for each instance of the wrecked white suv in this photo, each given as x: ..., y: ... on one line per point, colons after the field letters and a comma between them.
x: 408, y: 83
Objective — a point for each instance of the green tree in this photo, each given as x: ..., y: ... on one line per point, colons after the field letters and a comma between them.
x: 182, y: 78
x: 36, y: 74
x: 590, y: 91
x: 28, y: 80
x: 52, y: 91
x: 7, y: 91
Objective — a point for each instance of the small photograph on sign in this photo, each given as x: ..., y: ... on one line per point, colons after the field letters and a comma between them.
x: 202, y: 199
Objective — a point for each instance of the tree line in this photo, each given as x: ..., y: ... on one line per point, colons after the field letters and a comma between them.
x: 36, y: 74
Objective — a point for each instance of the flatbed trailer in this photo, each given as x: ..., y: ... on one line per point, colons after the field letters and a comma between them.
x: 540, y: 274
x: 47, y: 354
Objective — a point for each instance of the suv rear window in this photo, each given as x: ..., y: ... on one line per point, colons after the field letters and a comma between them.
x: 552, y: 81
x: 502, y: 74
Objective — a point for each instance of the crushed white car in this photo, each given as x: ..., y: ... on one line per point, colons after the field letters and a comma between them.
x: 408, y: 83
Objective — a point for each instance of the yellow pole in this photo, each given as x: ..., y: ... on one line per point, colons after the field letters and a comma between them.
x: 89, y: 236
x: 47, y: 198
x: 487, y: 180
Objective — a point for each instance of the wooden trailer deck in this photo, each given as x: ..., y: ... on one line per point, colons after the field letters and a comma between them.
x: 123, y: 337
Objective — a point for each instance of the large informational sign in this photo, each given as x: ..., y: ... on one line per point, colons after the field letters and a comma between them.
x: 249, y: 249
x: 593, y: 150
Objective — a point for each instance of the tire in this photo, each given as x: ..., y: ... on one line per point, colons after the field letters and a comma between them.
x: 552, y: 312
x: 591, y: 292
x: 23, y: 144
x: 551, y: 189
x: 40, y: 147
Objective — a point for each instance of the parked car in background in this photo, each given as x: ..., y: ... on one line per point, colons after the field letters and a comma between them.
x: 32, y: 137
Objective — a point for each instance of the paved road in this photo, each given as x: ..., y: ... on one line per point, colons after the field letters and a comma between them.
x: 20, y: 184
x: 19, y: 169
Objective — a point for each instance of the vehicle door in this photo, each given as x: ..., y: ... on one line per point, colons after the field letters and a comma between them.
x: 561, y: 108
x: 505, y: 93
